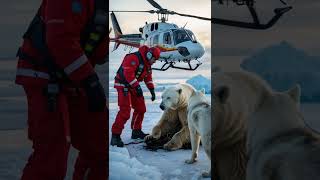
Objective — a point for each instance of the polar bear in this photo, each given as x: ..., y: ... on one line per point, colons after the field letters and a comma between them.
x: 281, y: 145
x: 174, y: 104
x: 236, y: 95
x: 199, y: 123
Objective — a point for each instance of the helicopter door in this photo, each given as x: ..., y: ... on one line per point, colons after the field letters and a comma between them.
x: 167, y: 39
x: 156, y: 40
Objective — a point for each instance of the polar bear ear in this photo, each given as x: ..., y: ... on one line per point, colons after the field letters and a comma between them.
x: 222, y: 93
x: 203, y: 91
x: 295, y: 93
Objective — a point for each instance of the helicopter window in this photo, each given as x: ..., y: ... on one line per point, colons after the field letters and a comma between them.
x: 156, y: 26
x: 180, y: 36
x: 192, y: 36
x: 167, y: 38
x: 152, y: 27
x: 156, y: 40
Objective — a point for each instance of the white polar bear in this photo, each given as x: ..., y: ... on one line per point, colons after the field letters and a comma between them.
x: 199, y: 123
x: 236, y: 95
x: 174, y: 104
x: 280, y: 143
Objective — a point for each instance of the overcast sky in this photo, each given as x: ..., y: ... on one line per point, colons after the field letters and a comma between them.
x: 301, y: 26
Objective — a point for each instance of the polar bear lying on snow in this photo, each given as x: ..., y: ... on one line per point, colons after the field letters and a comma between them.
x: 174, y: 118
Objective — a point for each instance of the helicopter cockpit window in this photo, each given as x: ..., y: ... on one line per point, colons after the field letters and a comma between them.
x: 152, y: 27
x: 192, y: 36
x: 156, y: 40
x: 156, y: 26
x: 180, y: 36
x: 167, y: 38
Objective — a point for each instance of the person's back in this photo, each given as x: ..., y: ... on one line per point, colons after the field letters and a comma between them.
x: 66, y: 101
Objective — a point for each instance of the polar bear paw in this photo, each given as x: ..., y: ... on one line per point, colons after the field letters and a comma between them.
x: 190, y: 161
x: 206, y: 174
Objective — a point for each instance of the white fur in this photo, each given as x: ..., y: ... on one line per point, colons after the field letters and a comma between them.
x: 199, y: 123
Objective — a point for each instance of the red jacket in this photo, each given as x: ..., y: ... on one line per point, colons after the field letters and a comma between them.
x: 64, y: 21
x: 130, y: 64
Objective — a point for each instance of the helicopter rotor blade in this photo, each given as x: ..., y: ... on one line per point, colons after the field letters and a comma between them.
x: 155, y: 4
x: 151, y: 11
x: 193, y: 16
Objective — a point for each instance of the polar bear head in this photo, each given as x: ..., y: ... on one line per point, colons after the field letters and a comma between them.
x: 170, y: 98
x: 197, y: 97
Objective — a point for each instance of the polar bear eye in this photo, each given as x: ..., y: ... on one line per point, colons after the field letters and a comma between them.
x: 168, y: 97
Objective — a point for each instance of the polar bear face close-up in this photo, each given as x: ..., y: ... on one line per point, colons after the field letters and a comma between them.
x: 170, y: 98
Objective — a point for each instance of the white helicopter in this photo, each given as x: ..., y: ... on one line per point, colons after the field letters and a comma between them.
x: 177, y: 45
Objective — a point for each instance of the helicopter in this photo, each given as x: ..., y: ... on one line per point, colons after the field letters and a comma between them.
x: 177, y: 44
x: 180, y: 45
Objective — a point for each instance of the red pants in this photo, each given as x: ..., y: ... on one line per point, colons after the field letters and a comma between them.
x: 125, y: 103
x: 50, y: 133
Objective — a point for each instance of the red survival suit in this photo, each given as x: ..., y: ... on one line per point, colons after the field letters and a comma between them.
x: 51, y: 132
x: 127, y: 96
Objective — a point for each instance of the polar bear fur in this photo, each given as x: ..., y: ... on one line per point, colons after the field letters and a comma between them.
x: 199, y: 123
x: 174, y: 104
x: 236, y: 95
x: 280, y: 144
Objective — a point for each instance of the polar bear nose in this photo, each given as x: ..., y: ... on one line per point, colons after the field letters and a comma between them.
x: 161, y: 106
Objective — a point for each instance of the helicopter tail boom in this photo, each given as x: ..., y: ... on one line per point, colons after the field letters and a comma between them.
x: 116, y: 29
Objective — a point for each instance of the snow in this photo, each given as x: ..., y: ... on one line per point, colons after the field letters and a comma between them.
x: 170, y: 164
x: 134, y: 170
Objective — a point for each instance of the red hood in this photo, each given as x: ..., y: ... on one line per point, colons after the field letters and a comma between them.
x: 143, y: 50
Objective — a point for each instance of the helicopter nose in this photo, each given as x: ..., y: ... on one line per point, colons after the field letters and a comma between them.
x: 197, y: 51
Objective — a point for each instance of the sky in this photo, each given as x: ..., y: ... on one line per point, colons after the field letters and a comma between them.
x: 130, y: 23
x: 300, y: 26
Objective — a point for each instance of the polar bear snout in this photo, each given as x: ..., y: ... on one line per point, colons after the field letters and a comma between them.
x: 162, y: 107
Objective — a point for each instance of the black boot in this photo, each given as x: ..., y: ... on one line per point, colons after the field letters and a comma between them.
x: 138, y: 134
x: 116, y: 140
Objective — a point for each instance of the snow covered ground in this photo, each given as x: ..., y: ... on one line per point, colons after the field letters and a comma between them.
x: 170, y: 164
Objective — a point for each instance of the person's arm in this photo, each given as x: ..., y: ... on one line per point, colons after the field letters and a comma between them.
x: 130, y: 64
x: 149, y: 82
x: 65, y: 19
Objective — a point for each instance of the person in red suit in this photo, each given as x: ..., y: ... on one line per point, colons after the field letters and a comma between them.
x: 66, y: 101
x: 136, y: 67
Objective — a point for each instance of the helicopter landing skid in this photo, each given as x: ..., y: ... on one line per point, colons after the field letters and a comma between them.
x: 168, y: 65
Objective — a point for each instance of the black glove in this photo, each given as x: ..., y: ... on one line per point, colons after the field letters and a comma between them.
x: 153, y: 95
x: 139, y: 91
x: 95, y: 94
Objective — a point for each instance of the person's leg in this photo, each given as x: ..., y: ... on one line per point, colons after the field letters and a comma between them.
x: 89, y: 134
x: 47, y: 131
x: 139, y: 107
x: 123, y: 113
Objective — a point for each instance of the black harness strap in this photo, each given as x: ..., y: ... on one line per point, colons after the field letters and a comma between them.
x: 97, y: 28
x: 139, y: 70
